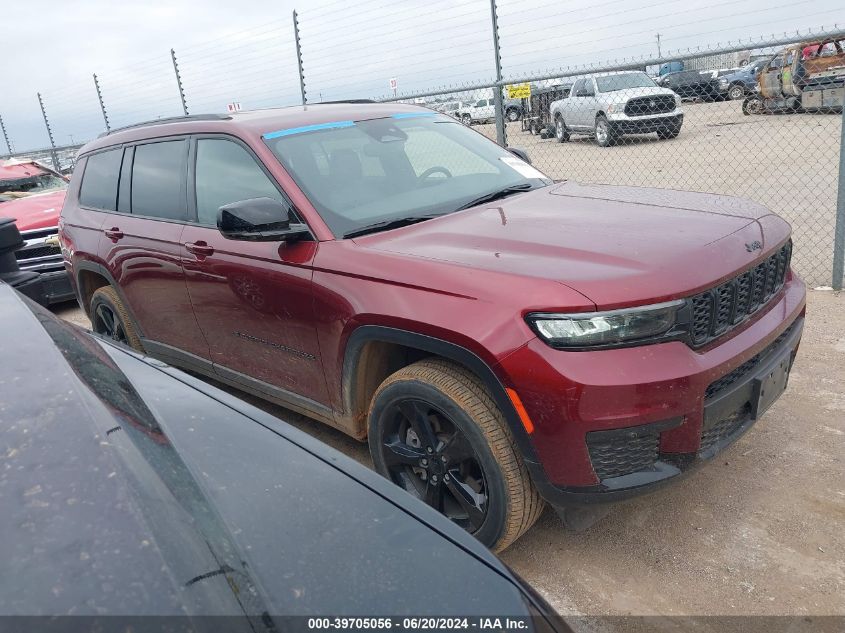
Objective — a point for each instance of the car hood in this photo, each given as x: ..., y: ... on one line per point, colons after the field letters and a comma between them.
x: 37, y: 211
x: 630, y: 93
x: 615, y: 245
x: 130, y: 488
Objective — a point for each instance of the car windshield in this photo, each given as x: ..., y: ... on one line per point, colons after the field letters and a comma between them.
x: 609, y: 83
x: 409, y: 165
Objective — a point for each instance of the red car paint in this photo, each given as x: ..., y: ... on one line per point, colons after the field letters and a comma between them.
x: 467, y: 279
x: 37, y: 211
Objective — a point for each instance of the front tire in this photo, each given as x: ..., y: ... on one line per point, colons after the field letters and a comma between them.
x: 603, y: 131
x: 736, y: 92
x: 512, y: 115
x: 110, y: 319
x: 466, y: 119
x: 435, y: 431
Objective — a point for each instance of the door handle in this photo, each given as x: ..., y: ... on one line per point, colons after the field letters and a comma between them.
x: 114, y: 233
x: 200, y: 248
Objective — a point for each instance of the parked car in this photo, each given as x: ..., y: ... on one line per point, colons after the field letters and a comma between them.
x: 34, y: 196
x: 610, y: 105
x: 131, y: 488
x: 691, y: 85
x: 739, y: 84
x: 498, y: 339
x: 452, y: 108
x: 484, y: 110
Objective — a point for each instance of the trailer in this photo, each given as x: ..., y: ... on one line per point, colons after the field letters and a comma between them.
x: 537, y: 118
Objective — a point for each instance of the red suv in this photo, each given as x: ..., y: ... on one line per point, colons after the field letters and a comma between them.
x: 499, y: 339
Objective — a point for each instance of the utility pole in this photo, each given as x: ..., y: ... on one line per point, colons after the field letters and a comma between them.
x: 659, y: 54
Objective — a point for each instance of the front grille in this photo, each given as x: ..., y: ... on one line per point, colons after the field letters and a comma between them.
x: 622, y: 454
x: 38, y: 250
x: 725, y: 428
x: 743, y: 370
x: 659, y: 104
x: 722, y: 308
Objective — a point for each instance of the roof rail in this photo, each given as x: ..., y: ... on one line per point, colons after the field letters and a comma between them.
x: 345, y: 101
x: 170, y: 119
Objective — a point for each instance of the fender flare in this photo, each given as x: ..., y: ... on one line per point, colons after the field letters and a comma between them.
x: 101, y: 270
x: 451, y: 351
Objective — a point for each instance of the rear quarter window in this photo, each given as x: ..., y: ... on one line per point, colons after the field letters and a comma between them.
x: 99, y: 181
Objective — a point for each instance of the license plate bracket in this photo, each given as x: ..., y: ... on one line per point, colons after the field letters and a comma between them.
x: 770, y: 383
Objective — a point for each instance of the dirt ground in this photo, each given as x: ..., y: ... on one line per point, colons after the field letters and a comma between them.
x: 758, y: 531
x: 787, y: 162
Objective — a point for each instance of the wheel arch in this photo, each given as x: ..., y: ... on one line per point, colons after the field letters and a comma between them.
x: 92, y: 275
x: 372, y: 353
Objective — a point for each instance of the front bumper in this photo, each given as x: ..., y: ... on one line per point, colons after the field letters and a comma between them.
x: 631, y: 420
x: 625, y: 124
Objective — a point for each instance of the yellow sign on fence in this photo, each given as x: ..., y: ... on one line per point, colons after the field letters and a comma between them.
x: 519, y: 91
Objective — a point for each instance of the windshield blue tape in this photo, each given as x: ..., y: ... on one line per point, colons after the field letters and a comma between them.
x: 408, y: 115
x: 308, y: 128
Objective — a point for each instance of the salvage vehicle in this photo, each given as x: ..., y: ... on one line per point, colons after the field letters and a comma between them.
x: 131, y: 488
x: 500, y: 340
x: 35, y: 195
x: 611, y: 105
x: 809, y: 76
x: 484, y: 110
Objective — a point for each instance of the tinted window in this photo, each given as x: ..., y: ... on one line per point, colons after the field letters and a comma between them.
x: 99, y: 183
x: 158, y: 180
x: 226, y: 173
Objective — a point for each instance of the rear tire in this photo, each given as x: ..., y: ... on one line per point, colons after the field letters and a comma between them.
x: 512, y: 115
x: 561, y: 131
x: 110, y: 319
x: 473, y: 459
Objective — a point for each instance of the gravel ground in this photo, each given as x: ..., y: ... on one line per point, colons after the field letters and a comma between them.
x: 758, y: 531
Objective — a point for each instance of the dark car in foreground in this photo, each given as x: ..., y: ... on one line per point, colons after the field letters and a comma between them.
x: 499, y: 339
x: 129, y: 488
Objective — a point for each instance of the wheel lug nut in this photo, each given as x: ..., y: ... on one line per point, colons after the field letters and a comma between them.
x: 434, y: 479
x: 423, y: 462
x: 445, y: 477
x: 429, y: 449
x: 443, y: 459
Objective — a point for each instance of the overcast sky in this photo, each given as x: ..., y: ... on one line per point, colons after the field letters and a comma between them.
x: 244, y: 51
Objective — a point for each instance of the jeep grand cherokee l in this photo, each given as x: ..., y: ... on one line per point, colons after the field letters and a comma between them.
x: 499, y: 339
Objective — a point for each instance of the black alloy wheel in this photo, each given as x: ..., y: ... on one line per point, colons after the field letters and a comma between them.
x: 108, y: 324
x: 427, y: 455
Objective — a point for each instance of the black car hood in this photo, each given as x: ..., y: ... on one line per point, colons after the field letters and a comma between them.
x: 129, y: 488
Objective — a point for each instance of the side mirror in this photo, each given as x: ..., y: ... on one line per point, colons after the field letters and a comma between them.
x: 520, y: 153
x: 259, y: 220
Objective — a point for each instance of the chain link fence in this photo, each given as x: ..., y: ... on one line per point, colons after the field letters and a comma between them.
x: 683, y: 119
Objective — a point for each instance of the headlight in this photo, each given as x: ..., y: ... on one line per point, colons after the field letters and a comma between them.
x: 604, y: 329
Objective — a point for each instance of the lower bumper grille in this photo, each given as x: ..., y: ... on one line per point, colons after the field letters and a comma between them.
x: 617, y: 457
x: 724, y: 429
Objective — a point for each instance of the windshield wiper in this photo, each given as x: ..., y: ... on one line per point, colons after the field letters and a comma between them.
x: 388, y: 224
x: 496, y: 195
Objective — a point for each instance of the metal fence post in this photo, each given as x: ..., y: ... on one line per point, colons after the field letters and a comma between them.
x: 501, y: 133
x: 102, y: 105
x: 839, y: 231
x: 53, y: 156
x: 5, y: 136
x: 299, y: 56
x: 179, y: 82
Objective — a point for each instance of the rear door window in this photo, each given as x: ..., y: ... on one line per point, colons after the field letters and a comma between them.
x: 99, y: 182
x: 159, y: 180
